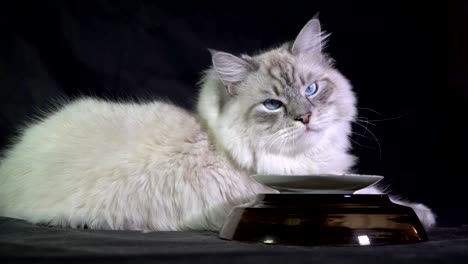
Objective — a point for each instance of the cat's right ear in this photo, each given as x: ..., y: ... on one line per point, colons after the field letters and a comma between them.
x: 230, y: 69
x: 311, y: 39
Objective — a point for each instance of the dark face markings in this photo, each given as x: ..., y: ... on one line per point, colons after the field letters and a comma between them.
x: 288, y: 83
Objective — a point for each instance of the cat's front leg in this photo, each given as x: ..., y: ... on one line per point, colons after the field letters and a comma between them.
x: 424, y: 213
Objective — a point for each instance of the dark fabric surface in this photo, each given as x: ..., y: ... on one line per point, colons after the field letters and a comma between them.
x: 21, y: 241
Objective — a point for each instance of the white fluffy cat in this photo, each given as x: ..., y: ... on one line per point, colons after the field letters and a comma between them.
x: 155, y: 166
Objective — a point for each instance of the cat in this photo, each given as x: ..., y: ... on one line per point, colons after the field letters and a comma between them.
x: 158, y: 167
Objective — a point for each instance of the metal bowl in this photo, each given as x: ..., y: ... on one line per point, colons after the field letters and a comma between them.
x: 323, y: 219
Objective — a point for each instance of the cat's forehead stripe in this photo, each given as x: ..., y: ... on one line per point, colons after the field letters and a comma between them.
x: 291, y: 71
x: 275, y: 74
x: 301, y: 79
x: 267, y: 91
x: 276, y: 90
x: 285, y: 73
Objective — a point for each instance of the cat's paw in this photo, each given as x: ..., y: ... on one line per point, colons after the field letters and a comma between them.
x: 425, y: 215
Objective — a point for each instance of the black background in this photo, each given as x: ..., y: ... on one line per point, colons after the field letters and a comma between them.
x: 406, y: 61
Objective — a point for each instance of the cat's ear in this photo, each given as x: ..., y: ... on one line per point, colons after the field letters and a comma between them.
x: 231, y: 69
x: 311, y: 39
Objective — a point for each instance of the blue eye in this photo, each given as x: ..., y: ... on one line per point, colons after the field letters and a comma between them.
x: 272, y: 104
x: 312, y: 89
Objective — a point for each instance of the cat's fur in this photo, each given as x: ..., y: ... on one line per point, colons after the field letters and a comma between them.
x: 155, y: 166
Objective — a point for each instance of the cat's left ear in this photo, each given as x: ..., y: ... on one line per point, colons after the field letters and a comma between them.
x: 310, y: 40
x: 231, y: 69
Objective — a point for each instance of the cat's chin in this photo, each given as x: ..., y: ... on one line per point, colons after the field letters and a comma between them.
x: 312, y: 135
x: 312, y: 129
x: 304, y: 142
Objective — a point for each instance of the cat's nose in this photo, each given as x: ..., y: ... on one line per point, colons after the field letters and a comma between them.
x: 304, y: 118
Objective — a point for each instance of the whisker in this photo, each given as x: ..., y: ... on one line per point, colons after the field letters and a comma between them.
x: 390, y: 118
x: 369, y: 109
x: 373, y: 135
x: 274, y: 142
x: 287, y: 137
x: 355, y: 142
x: 278, y: 135
x: 361, y: 135
x: 281, y: 142
x: 365, y: 128
x: 365, y: 121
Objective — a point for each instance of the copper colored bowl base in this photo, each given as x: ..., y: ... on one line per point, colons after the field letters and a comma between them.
x: 323, y: 219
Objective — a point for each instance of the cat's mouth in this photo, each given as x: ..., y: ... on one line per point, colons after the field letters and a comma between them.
x: 312, y: 129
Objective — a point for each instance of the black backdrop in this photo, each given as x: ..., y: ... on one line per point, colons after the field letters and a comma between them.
x: 405, y: 60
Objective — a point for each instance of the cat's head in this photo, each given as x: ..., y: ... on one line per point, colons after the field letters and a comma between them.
x: 288, y: 100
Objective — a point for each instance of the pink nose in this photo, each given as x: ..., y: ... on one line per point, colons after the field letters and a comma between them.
x: 304, y: 118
